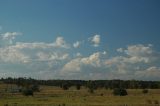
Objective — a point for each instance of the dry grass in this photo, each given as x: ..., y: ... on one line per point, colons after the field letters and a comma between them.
x: 102, y: 97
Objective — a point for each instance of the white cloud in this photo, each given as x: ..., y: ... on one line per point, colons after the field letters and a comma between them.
x: 82, y: 64
x: 95, y: 40
x: 43, y: 56
x: 139, y: 50
x: 73, y: 66
x: 9, y: 54
x: 10, y: 36
x: 104, y: 53
x: 149, y: 73
x: 93, y: 60
x: 120, y: 50
x: 76, y: 44
x: 60, y: 42
x: 78, y: 54
x: 55, y: 60
x: 134, y: 60
x: 34, y: 45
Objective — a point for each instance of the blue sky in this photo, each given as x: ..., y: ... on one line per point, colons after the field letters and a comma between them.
x: 103, y: 39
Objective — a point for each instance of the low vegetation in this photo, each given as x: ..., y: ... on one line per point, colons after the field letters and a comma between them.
x: 30, y: 92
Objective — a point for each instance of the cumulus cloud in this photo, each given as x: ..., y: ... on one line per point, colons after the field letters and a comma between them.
x: 72, y: 66
x: 134, y: 60
x: 139, y: 53
x: 95, y: 40
x: 80, y: 64
x: 78, y: 54
x: 151, y: 73
x: 10, y: 36
x: 93, y: 60
x: 60, y: 42
x: 120, y: 50
x: 55, y: 60
x: 76, y: 44
x: 12, y: 55
x: 43, y: 56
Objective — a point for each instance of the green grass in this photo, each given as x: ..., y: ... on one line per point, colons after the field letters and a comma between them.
x: 55, y: 95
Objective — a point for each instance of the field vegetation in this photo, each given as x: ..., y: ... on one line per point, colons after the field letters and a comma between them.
x: 46, y: 95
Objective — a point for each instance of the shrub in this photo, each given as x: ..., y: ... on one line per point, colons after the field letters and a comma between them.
x: 65, y: 86
x: 148, y: 101
x: 35, y: 88
x: 91, y: 90
x: 27, y: 92
x: 101, y: 94
x: 144, y: 91
x: 156, y: 102
x: 120, y: 92
x: 78, y: 86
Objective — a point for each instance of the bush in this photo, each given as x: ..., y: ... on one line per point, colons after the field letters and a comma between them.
x: 35, y: 88
x: 78, y: 86
x: 120, y: 92
x: 27, y: 92
x: 91, y: 90
x: 65, y: 86
x: 156, y: 102
x: 148, y: 101
x: 144, y: 91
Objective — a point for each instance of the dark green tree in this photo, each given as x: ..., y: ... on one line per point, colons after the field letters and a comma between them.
x: 120, y: 92
x: 27, y: 92
x: 145, y: 91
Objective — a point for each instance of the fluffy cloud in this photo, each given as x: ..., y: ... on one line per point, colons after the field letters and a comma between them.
x: 135, y: 58
x: 43, y: 56
x: 60, y: 42
x: 95, y: 40
x: 58, y: 60
x: 120, y: 50
x: 10, y: 36
x: 12, y: 55
x: 80, y: 64
x: 139, y: 53
x: 151, y: 73
x: 78, y: 54
x: 76, y: 44
x: 93, y: 60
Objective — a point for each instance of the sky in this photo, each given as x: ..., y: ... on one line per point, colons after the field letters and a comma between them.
x: 80, y: 39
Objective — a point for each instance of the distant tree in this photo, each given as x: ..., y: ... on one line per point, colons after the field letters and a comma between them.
x: 27, y: 92
x: 91, y: 90
x: 35, y: 88
x: 145, y: 91
x: 91, y: 86
x: 78, y: 86
x: 120, y: 92
x: 65, y: 86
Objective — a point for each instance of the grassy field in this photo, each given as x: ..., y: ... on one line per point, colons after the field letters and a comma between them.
x: 55, y: 96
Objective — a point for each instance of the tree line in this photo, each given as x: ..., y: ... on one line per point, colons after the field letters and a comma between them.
x: 94, y: 84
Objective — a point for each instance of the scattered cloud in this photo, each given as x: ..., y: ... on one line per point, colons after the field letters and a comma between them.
x: 58, y: 60
x: 78, y: 54
x: 120, y: 50
x: 76, y: 44
x: 151, y: 73
x: 10, y: 36
x: 10, y: 54
x: 60, y: 42
x: 95, y: 40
